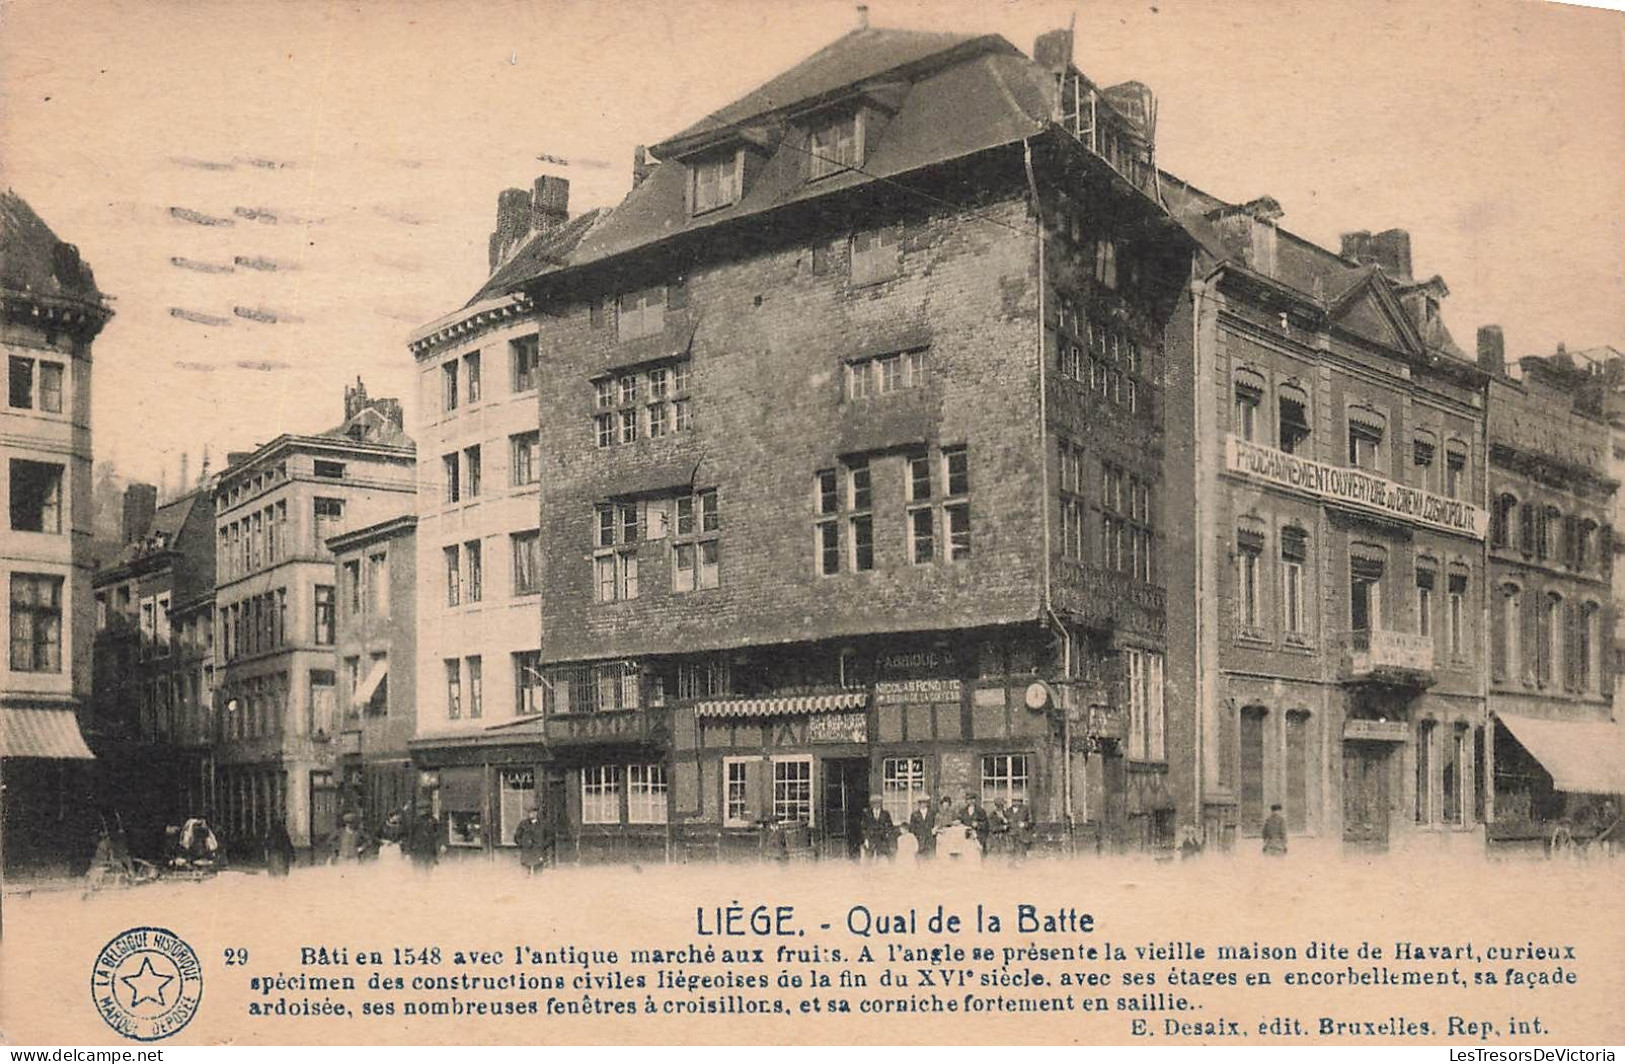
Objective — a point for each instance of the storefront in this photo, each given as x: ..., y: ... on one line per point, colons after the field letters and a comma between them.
x: 1557, y: 783
x: 481, y: 785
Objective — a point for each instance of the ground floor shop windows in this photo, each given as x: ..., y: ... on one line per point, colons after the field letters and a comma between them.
x: 793, y: 789
x: 902, y: 784
x: 1444, y: 773
x: 516, y: 793
x: 1005, y: 776
x: 646, y: 794
x: 600, y: 795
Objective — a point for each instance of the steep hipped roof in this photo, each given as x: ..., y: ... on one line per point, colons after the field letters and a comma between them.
x: 35, y: 261
x: 859, y: 55
x: 167, y: 521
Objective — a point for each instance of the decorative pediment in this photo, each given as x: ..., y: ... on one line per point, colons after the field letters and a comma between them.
x: 1371, y: 309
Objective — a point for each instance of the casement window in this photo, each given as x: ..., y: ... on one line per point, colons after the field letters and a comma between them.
x: 902, y: 784
x: 1455, y: 469
x: 454, y: 575
x: 1424, y: 458
x: 1366, y: 429
x: 1426, y: 575
x: 524, y: 359
x: 1249, y: 585
x: 471, y: 375
x: 826, y: 527
x: 877, y: 254
x: 1587, y: 678
x: 1427, y: 737
x: 884, y: 374
x: 476, y: 687
x: 860, y: 520
x: 1551, y: 524
x: 1073, y: 505
x: 454, y: 688
x: 472, y: 471
x: 1006, y: 776
x: 529, y: 684
x: 615, y: 558
x: 527, y: 562
x: 448, y: 391
x: 793, y: 790
x: 646, y: 794
x: 1106, y: 261
x: 474, y: 560
x: 600, y: 794
x: 922, y: 523
x: 715, y: 181
x: 36, y: 496
x: 956, y: 505
x: 1293, y: 420
x: 1247, y: 400
x: 1506, y: 647
x: 696, y: 543
x: 352, y: 585
x: 1456, y: 616
x: 1103, y: 357
x: 1294, y: 559
x: 1142, y: 672
x: 453, y: 477
x: 324, y: 610
x: 36, y: 622
x: 35, y: 385
x: 653, y: 402
x: 704, y: 678
x: 1126, y: 535
x: 834, y: 147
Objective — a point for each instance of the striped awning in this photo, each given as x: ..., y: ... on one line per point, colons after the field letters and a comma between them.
x: 783, y: 706
x: 52, y: 734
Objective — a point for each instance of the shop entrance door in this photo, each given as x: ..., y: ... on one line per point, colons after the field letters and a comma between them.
x: 324, y: 813
x: 845, y: 797
x: 1365, y: 794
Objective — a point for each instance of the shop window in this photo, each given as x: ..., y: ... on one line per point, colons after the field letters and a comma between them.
x: 516, y: 794
x: 36, y: 496
x: 902, y: 784
x: 793, y: 790
x: 1006, y: 776
x: 646, y: 794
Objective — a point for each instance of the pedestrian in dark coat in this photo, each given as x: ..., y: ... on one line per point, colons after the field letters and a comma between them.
x: 1021, y: 828
x: 921, y: 824
x: 975, y: 818
x: 279, y: 852
x: 535, y: 841
x: 998, y: 828
x: 1275, y: 833
x: 423, y: 839
x: 879, y: 833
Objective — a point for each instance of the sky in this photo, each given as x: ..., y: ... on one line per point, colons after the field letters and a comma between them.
x: 359, y: 148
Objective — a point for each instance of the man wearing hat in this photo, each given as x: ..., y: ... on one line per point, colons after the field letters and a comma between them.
x: 1275, y: 832
x: 879, y: 833
x: 921, y: 824
x: 534, y: 840
x: 973, y: 816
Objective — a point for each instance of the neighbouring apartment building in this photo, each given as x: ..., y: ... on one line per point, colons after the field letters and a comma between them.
x: 50, y: 313
x: 151, y: 721
x: 1330, y: 520
x: 1556, y: 749
x: 478, y: 534
x: 376, y: 648
x: 276, y: 604
x: 851, y: 426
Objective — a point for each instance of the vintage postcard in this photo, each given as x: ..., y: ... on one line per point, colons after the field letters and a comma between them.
x: 535, y: 521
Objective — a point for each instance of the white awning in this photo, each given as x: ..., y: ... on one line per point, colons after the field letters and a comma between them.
x: 783, y: 706
x: 48, y: 733
x: 369, y: 686
x: 1584, y: 757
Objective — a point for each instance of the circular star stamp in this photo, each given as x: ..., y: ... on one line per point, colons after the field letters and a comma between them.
x: 147, y: 983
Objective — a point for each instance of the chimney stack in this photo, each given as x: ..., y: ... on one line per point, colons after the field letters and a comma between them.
x: 1492, y: 350
x: 140, y: 503
x: 641, y: 167
x: 1389, y: 249
x: 1053, y: 50
x: 513, y: 222
x: 549, y: 204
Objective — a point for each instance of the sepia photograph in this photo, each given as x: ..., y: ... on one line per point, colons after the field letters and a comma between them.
x: 911, y: 522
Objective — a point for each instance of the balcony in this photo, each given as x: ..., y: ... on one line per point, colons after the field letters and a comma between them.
x: 1397, y: 659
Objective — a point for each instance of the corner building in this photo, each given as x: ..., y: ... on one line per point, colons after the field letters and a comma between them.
x: 850, y: 423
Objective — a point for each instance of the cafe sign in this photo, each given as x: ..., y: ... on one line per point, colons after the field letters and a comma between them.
x: 1356, y: 488
x: 838, y: 728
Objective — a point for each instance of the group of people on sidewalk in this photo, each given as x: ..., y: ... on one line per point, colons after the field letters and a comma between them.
x: 962, y: 830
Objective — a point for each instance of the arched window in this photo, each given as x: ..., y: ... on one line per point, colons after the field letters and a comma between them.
x: 1298, y: 760
x: 1551, y: 523
x: 1548, y: 638
x: 1250, y: 791
x: 1506, y: 644
x: 1249, y: 396
x: 1293, y: 402
x: 1585, y: 544
x: 1501, y: 519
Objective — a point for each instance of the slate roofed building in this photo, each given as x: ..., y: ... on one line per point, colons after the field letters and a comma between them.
x: 851, y: 430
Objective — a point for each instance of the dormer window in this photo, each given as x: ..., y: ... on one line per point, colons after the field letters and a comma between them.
x: 716, y: 181
x: 834, y: 147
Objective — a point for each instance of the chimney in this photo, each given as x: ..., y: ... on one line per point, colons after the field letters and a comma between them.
x: 863, y: 16
x: 1053, y: 50
x: 513, y: 224
x: 1357, y: 247
x: 1492, y: 350
x: 1389, y: 249
x: 1248, y: 232
x: 140, y: 502
x: 355, y: 399
x: 641, y: 167
x: 549, y: 204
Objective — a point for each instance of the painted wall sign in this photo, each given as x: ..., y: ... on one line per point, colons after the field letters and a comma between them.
x: 914, y: 664
x: 1384, y: 731
x: 838, y: 728
x: 596, y: 728
x: 1355, y: 487
x: 897, y: 692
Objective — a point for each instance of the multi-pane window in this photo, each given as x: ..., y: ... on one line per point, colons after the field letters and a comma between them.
x: 600, y: 794
x: 324, y: 609
x: 1294, y: 557
x: 1126, y: 536
x: 696, y: 543
x: 524, y: 356
x: 715, y: 182
x: 36, y: 622
x: 827, y: 529
x: 884, y: 374
x: 25, y: 374
x: 956, y: 505
x: 454, y: 688
x: 36, y: 496
x: 834, y: 147
x: 860, y: 521
x: 524, y: 458
x: 529, y: 684
x: 1072, y: 500
x: 1005, y: 776
x: 646, y: 794
x: 454, y: 575
x: 527, y: 562
x: 1142, y: 672
x: 473, y: 558
x: 737, y: 795
x: 471, y: 375
x: 453, y: 477
x: 902, y: 783
x: 1249, y: 590
x: 329, y: 514
x: 792, y: 790
x: 922, y: 523
x: 472, y: 471
x: 652, y: 402
x: 615, y: 557
x: 1102, y: 356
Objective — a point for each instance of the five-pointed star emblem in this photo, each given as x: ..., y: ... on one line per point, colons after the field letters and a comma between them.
x: 146, y: 984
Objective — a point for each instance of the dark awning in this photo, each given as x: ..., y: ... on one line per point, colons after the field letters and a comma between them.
x: 1583, y: 757
x: 48, y: 733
